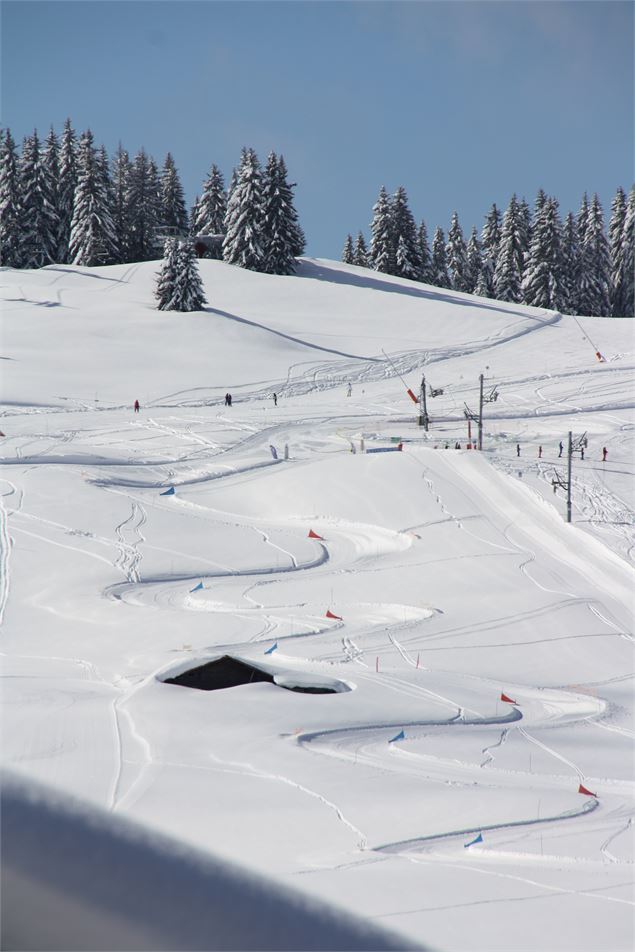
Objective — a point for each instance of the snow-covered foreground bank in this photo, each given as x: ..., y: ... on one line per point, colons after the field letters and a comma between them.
x: 452, y: 576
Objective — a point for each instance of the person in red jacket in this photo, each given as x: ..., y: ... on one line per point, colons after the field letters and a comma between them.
x: 136, y: 406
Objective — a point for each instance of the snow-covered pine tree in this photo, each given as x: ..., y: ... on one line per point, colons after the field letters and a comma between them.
x: 67, y: 183
x: 526, y: 229
x: 509, y: 261
x: 279, y: 220
x: 10, y: 204
x: 474, y: 261
x: 39, y: 222
x: 92, y: 240
x: 440, y: 276
x: 616, y: 239
x: 542, y: 283
x: 407, y: 253
x: 208, y: 215
x: 50, y: 185
x: 360, y: 252
x: 166, y: 278
x: 120, y: 177
x: 188, y: 287
x: 425, y: 253
x: 142, y: 199
x: 297, y: 238
x: 490, y: 240
x: 347, y: 250
x: 582, y: 218
x: 570, y: 268
x: 382, y: 244
x: 244, y: 222
x: 172, y: 211
x: 456, y: 254
x: 628, y: 251
x: 595, y: 264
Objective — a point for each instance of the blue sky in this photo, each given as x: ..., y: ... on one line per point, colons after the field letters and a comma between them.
x: 463, y: 103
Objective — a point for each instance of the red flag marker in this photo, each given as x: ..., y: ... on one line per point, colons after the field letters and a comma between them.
x: 508, y: 699
x: 314, y: 535
x: 329, y: 614
x: 588, y: 793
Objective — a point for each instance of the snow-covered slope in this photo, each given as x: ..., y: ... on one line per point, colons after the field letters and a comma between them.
x: 451, y: 575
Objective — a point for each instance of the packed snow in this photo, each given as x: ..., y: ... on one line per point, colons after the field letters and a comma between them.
x: 478, y: 647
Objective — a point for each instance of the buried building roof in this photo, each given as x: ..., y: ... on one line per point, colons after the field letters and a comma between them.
x: 228, y: 672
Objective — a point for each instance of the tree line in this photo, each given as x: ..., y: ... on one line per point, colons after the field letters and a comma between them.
x: 63, y: 201
x: 524, y: 256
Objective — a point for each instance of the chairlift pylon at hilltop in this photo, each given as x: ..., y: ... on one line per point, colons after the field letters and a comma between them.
x: 202, y: 243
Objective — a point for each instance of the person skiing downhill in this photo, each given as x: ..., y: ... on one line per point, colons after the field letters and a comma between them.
x: 605, y: 453
x: 136, y: 406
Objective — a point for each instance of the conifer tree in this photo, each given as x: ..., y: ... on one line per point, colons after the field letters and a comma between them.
x: 166, y: 278
x: 509, y: 261
x: 440, y: 276
x: 172, y: 211
x: 595, y: 265
x: 542, y: 284
x: 120, y: 178
x: 347, y: 251
x: 360, y: 252
x: 39, y: 221
x: 188, y: 288
x: 526, y: 230
x: 296, y: 234
x: 208, y: 215
x: 244, y: 222
x: 570, y: 265
x: 490, y: 240
x: 50, y: 185
x: 425, y: 254
x: 628, y: 254
x: 10, y: 204
x: 616, y: 240
x: 67, y: 184
x: 280, y: 221
x: 582, y: 219
x: 404, y: 233
x: 456, y: 254
x: 474, y: 261
x: 142, y: 199
x: 382, y: 245
x: 92, y: 239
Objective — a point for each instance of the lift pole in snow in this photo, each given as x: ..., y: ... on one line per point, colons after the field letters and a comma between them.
x: 480, y: 416
x: 573, y: 446
x: 424, y: 419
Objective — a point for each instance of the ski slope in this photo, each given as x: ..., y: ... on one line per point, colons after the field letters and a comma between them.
x: 452, y: 576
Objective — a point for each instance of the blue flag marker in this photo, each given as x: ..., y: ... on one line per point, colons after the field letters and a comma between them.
x: 479, y: 839
x: 169, y: 492
x: 196, y: 588
x: 272, y: 649
x: 400, y: 736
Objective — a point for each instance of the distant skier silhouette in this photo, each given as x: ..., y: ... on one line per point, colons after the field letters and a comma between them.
x: 136, y: 406
x: 228, y: 399
x: 517, y: 449
x: 605, y: 453
x: 275, y: 399
x: 560, y: 449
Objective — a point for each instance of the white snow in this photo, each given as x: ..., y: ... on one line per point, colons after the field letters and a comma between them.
x: 452, y: 574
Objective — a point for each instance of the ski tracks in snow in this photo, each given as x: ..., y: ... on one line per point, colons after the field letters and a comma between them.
x: 129, y: 556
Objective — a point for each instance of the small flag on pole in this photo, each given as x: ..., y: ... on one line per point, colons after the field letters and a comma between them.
x: 399, y: 736
x: 314, y: 535
x: 478, y: 839
x: 586, y: 791
x: 329, y: 614
x: 196, y: 588
x: 508, y: 699
x: 272, y: 649
x: 168, y: 492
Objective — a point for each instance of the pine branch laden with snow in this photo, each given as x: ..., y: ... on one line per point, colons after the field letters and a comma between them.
x: 543, y: 284
x: 10, y: 204
x: 179, y: 286
x: 456, y: 255
x: 280, y: 234
x: 382, y: 244
x: 209, y: 211
x: 440, y: 276
x: 347, y: 251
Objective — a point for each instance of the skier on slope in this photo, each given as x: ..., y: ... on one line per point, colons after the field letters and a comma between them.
x: 137, y: 407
